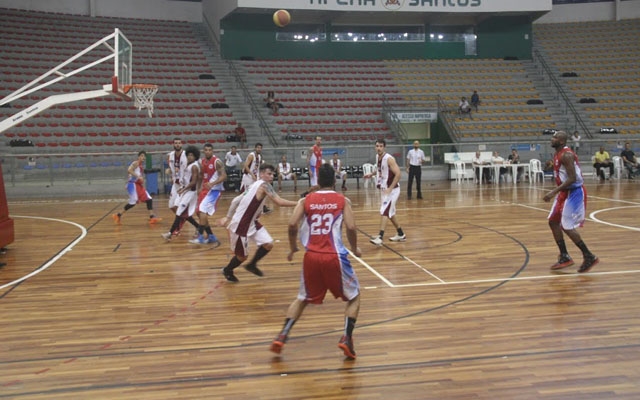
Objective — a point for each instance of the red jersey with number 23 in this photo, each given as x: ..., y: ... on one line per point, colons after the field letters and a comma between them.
x: 321, y: 230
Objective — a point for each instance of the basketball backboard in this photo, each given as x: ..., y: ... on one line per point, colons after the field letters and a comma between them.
x: 119, y: 50
x: 123, y: 63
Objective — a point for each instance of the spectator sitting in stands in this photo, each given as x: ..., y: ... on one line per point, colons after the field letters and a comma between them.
x: 241, y: 135
x: 475, y: 100
x: 464, y: 107
x: 271, y: 102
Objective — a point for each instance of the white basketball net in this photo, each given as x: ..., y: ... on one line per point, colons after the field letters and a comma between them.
x: 143, y: 97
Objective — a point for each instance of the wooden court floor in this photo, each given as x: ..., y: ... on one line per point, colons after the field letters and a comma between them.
x: 466, y: 308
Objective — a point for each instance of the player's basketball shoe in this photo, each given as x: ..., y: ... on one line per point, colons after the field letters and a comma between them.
x: 278, y: 343
x: 398, y: 238
x: 253, y: 269
x: 199, y: 240
x: 154, y: 220
x: 212, y: 239
x: 376, y: 240
x: 167, y: 236
x: 346, y: 344
x: 564, y: 261
x: 116, y: 218
x: 588, y: 263
x: 229, y: 276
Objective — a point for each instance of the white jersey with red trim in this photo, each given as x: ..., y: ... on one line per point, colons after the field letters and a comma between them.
x: 385, y: 174
x: 177, y: 165
x: 244, y: 218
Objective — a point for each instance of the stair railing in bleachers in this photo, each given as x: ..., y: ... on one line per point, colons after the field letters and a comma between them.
x: 449, y: 122
x: 255, y: 110
x: 538, y: 60
x: 391, y: 118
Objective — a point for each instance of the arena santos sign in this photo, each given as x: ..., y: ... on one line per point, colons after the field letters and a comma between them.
x: 448, y: 6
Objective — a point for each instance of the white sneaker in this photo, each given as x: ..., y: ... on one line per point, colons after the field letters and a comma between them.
x: 376, y: 240
x: 198, y: 240
x: 166, y: 236
x: 398, y: 238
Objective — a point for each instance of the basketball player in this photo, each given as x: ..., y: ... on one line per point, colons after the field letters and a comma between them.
x: 177, y: 162
x: 251, y: 168
x: 337, y: 167
x: 212, y: 174
x: 136, y: 190
x: 325, y: 265
x: 243, y: 213
x: 314, y: 159
x: 188, y: 193
x: 388, y: 181
x: 286, y: 173
x: 568, y: 209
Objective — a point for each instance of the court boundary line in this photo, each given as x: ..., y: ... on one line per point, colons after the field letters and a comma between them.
x: 591, y: 218
x: 53, y: 259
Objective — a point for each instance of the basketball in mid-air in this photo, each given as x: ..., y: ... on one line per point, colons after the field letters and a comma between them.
x: 281, y: 18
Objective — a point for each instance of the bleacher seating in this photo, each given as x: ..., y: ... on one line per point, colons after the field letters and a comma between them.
x: 604, y: 56
x: 339, y: 100
x: 503, y: 87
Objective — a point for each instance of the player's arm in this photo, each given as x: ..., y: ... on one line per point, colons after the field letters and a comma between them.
x: 247, y: 165
x: 133, y: 171
x: 393, y: 167
x: 267, y: 190
x: 408, y: 159
x: 350, y: 225
x: 567, y: 162
x: 132, y: 168
x: 232, y: 209
x: 193, y: 183
x: 294, y: 223
x: 222, y: 175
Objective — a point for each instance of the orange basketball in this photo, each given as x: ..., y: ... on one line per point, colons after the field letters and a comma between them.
x: 281, y: 18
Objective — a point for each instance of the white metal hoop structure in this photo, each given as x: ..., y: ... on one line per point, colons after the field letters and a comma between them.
x: 143, y: 96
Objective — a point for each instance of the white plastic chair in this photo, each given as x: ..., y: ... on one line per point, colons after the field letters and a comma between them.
x: 535, y: 168
x: 368, y: 169
x: 461, y: 171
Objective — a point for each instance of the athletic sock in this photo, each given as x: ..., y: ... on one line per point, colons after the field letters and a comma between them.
x: 349, y: 324
x: 562, y: 246
x: 258, y: 256
x: 583, y: 248
x: 288, y: 324
x: 233, y: 264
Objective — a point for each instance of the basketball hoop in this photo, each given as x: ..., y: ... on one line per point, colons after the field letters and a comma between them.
x: 143, y: 96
